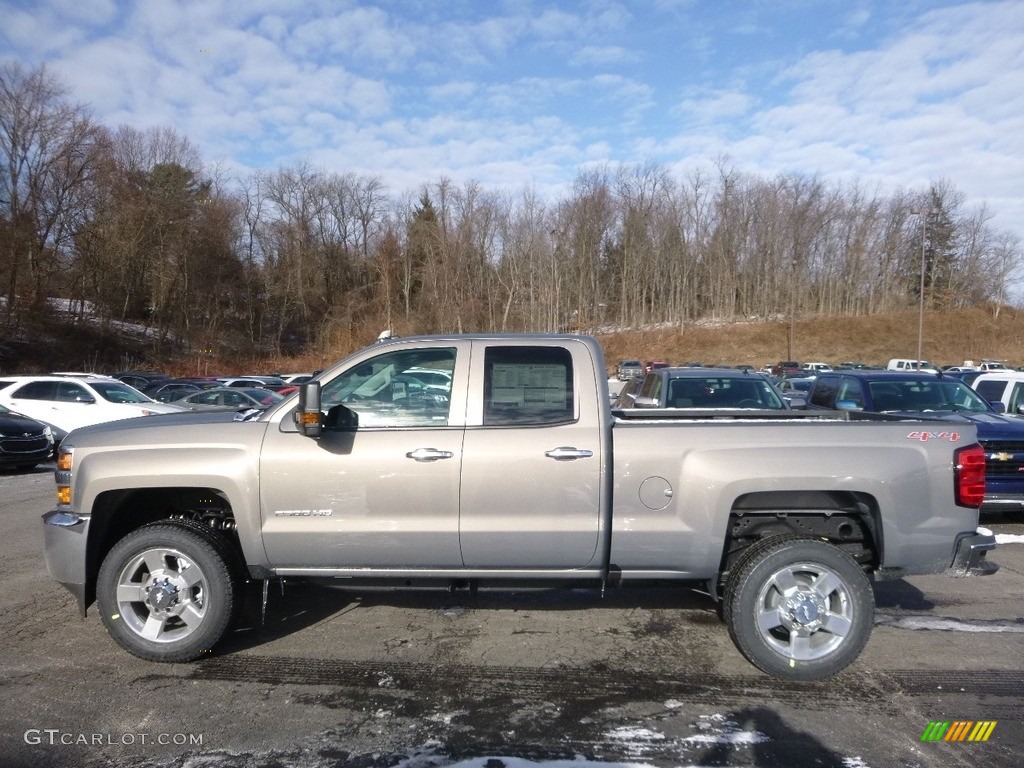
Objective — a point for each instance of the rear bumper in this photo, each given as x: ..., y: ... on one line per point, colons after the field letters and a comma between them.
x: 64, y: 547
x: 1002, y: 502
x: 970, y: 557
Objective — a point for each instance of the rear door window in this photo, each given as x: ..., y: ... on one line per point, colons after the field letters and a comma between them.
x: 529, y: 386
x: 37, y: 390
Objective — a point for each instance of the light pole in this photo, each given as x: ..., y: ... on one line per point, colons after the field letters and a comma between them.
x: 924, y: 214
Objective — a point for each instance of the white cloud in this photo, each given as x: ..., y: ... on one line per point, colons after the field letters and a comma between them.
x: 596, y: 56
x: 407, y: 90
x: 714, y: 106
x: 940, y: 100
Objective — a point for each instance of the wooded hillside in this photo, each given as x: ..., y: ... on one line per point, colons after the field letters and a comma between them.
x: 132, y: 225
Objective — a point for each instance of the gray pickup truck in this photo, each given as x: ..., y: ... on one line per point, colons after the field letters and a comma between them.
x: 496, y: 461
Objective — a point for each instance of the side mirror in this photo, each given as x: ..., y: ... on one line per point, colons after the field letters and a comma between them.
x: 645, y: 402
x: 1000, y: 407
x: 340, y: 418
x: 307, y: 416
x: 798, y: 403
x: 848, y: 405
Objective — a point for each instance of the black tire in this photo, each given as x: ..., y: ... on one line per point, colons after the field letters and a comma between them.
x: 798, y: 608
x: 168, y: 591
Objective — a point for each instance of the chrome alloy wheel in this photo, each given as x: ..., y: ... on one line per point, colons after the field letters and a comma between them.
x: 804, y: 611
x: 162, y: 595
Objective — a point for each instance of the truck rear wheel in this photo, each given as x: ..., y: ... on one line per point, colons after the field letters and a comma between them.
x: 799, y: 608
x: 166, y: 592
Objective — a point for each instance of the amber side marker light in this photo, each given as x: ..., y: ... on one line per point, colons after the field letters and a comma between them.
x: 65, y: 460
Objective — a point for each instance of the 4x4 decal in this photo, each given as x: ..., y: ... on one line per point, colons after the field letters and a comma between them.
x: 924, y: 437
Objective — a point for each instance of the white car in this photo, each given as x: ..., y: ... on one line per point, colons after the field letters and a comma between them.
x: 297, y: 378
x: 907, y: 364
x: 813, y: 368
x: 68, y: 402
x: 1002, y: 386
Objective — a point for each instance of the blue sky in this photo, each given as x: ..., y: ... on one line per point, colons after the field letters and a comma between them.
x: 525, y: 93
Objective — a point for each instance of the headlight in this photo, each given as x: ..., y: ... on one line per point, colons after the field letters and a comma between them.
x: 65, y: 461
x: 65, y: 458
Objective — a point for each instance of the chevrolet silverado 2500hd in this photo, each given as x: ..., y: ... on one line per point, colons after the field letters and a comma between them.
x: 507, y: 467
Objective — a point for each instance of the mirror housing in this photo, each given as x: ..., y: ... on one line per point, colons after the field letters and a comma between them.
x: 340, y: 418
x: 307, y: 416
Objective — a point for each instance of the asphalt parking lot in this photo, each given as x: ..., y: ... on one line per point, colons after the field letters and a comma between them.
x: 360, y: 679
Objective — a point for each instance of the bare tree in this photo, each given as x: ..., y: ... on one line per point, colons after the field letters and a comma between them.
x: 47, y: 155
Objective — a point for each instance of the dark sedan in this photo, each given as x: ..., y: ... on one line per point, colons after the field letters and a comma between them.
x: 230, y: 399
x: 24, y: 442
x: 169, y: 390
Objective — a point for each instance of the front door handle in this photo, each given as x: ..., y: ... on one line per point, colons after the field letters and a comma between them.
x: 566, y: 453
x: 428, y: 454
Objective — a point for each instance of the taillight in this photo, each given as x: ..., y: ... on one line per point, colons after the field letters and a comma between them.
x: 969, y: 476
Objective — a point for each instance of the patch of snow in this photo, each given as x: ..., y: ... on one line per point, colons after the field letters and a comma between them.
x: 1009, y: 538
x: 719, y: 729
x: 946, y: 624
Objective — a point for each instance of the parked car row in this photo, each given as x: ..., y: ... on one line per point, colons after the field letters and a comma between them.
x: 66, y: 402
x: 37, y: 411
x: 702, y: 389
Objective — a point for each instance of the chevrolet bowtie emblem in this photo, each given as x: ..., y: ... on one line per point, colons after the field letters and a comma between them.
x: 1002, y: 456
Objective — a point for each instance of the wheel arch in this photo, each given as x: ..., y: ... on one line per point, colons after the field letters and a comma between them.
x: 847, y: 519
x: 117, y: 513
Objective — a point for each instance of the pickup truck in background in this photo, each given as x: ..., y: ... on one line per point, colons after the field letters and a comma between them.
x: 1002, y: 386
x: 514, y: 472
x: 945, y: 398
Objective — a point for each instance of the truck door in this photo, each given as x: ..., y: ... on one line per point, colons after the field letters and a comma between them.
x: 532, y: 464
x: 381, y: 493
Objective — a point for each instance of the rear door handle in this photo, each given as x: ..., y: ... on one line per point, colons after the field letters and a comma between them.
x: 567, y: 453
x: 428, y: 454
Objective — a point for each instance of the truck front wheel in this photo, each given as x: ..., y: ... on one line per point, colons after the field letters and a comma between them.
x: 799, y: 608
x: 166, y: 592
